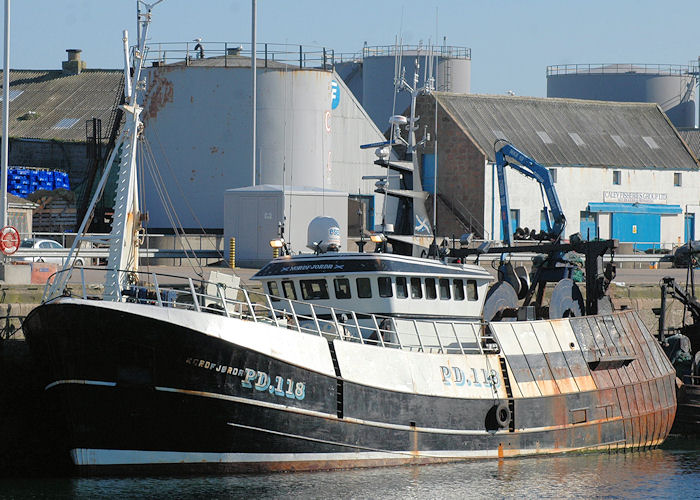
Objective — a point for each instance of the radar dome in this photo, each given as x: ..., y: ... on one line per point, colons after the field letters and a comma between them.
x: 323, y: 235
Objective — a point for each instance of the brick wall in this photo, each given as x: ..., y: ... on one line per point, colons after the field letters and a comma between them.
x: 461, y: 167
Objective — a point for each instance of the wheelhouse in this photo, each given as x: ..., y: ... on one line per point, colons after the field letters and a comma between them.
x: 385, y: 284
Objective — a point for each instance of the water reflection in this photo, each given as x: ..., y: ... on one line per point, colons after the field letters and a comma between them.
x: 650, y: 474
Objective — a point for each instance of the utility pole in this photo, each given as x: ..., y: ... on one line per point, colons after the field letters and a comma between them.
x: 5, y: 118
x: 254, y: 71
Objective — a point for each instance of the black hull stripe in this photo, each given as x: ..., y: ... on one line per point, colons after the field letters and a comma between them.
x: 369, y: 423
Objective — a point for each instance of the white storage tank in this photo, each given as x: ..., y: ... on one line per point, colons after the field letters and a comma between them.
x: 197, y: 120
x: 672, y: 87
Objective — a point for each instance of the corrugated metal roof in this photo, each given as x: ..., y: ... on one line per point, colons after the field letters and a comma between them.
x: 52, y: 105
x: 691, y: 136
x: 559, y: 132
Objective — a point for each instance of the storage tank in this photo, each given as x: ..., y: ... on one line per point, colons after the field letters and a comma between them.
x: 453, y: 74
x: 197, y: 119
x: 672, y: 87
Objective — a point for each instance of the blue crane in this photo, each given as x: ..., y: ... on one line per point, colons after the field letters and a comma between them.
x: 508, y: 155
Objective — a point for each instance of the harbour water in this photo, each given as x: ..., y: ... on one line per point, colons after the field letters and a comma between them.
x: 670, y: 472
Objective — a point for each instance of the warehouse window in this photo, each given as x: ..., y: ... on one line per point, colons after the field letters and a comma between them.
x: 617, y: 177
x: 677, y: 179
x: 514, y: 218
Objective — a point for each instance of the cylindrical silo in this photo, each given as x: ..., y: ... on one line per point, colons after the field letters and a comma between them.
x: 294, y: 140
x: 672, y: 87
x: 453, y: 73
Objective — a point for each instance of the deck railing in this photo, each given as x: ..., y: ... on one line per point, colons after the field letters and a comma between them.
x: 163, y: 290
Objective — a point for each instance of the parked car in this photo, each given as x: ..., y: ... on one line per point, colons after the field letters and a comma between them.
x: 45, y: 244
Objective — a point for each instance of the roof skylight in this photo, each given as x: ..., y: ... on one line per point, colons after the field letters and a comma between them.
x: 65, y: 123
x: 650, y: 142
x: 577, y: 139
x: 545, y: 137
x: 14, y: 94
x: 618, y: 140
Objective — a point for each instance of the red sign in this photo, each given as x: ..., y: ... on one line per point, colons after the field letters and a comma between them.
x: 9, y: 240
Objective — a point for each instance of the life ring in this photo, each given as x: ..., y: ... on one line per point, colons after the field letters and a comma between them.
x: 503, y: 415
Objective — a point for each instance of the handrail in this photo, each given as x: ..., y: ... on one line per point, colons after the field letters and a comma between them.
x: 229, y: 54
x: 169, y: 291
x: 473, y: 223
x: 650, y: 69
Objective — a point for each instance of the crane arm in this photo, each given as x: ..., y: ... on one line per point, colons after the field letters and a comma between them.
x: 509, y: 155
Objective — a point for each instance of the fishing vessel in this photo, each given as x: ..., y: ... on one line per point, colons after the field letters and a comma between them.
x: 346, y: 359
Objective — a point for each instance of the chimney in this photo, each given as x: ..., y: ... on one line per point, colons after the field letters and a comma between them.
x: 73, y: 66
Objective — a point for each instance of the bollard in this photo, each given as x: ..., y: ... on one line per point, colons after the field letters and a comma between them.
x: 232, y: 253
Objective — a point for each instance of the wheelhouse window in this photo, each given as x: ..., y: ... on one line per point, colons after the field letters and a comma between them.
x: 314, y: 289
x: 444, y: 289
x: 401, y: 288
x: 342, y: 288
x: 458, y: 288
x: 364, y: 288
x: 289, y: 290
x: 416, y: 290
x: 273, y: 289
x: 384, y: 283
x: 471, y: 290
x: 430, y: 292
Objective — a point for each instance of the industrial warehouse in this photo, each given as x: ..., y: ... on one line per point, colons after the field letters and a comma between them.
x: 621, y: 169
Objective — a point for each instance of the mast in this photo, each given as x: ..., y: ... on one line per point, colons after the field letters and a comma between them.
x: 124, y: 239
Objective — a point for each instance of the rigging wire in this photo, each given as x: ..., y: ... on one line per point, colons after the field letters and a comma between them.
x: 179, y: 188
x: 169, y: 207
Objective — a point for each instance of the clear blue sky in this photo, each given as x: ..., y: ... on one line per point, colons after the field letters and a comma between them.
x: 512, y: 41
